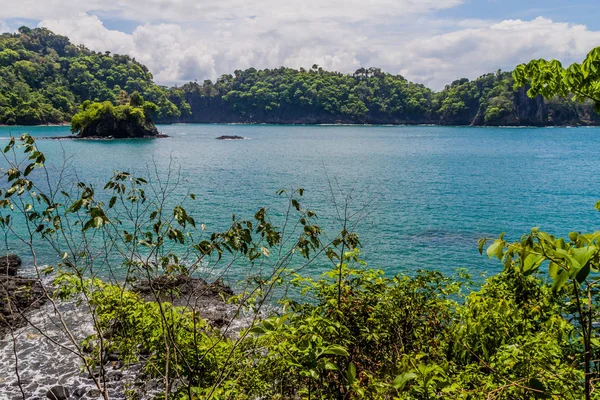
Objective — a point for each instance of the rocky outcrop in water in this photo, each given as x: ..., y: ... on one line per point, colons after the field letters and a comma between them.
x: 18, y: 295
x: 110, y: 127
x: 228, y: 137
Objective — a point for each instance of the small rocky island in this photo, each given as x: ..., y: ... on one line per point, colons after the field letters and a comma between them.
x: 107, y: 121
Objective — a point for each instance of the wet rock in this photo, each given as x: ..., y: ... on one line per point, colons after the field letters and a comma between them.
x: 18, y: 295
x: 78, y: 393
x: 114, y: 376
x: 96, y: 372
x: 9, y: 264
x: 113, y: 356
x: 108, y: 125
x: 219, y: 288
x: 58, y: 393
x: 94, y: 393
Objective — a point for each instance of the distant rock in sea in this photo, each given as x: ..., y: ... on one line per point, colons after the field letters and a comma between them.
x: 227, y: 137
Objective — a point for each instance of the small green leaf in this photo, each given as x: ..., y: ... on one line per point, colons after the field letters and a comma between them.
x: 495, y: 250
x: 351, y: 374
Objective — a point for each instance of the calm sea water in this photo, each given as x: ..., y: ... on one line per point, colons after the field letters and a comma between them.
x: 423, y: 195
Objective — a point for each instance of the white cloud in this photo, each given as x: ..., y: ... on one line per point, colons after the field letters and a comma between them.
x: 4, y: 27
x: 209, y: 10
x: 474, y: 51
x: 181, y: 40
x: 89, y: 30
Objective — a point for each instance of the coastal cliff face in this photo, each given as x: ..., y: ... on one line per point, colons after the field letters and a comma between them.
x: 526, y: 111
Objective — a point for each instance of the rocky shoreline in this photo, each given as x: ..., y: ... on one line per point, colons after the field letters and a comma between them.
x: 50, y: 371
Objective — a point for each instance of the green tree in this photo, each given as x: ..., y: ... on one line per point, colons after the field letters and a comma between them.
x: 550, y: 78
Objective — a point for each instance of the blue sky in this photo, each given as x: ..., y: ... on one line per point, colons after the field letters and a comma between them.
x: 428, y: 41
x: 580, y: 12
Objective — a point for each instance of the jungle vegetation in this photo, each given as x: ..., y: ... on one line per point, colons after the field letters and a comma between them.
x: 44, y: 78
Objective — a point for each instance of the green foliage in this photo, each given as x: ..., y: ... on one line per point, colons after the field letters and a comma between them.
x: 135, y: 329
x: 573, y: 264
x: 550, y: 78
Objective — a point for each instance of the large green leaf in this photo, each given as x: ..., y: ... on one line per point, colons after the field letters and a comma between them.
x: 561, y: 279
x: 401, y: 380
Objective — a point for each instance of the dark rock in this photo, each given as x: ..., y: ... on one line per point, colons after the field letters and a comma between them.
x: 114, y: 376
x: 58, y: 393
x: 218, y: 287
x: 113, y: 356
x: 18, y: 295
x: 228, y: 137
x: 187, y: 291
x: 9, y: 264
x: 529, y: 111
x: 96, y: 373
x: 78, y: 393
x: 94, y: 393
x: 78, y: 137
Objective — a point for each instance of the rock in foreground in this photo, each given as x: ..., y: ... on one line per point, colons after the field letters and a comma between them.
x: 18, y: 295
x: 190, y: 292
x: 58, y: 393
x: 9, y: 264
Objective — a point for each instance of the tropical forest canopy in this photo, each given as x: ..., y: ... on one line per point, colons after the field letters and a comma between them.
x: 44, y: 78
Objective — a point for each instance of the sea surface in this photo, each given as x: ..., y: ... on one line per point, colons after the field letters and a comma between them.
x: 418, y: 196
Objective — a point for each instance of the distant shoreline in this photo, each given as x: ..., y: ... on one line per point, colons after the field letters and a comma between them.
x: 318, y: 124
x: 76, y: 137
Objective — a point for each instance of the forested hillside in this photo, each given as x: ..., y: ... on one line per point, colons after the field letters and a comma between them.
x: 44, y: 78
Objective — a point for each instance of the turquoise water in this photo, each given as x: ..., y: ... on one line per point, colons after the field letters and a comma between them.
x: 429, y: 192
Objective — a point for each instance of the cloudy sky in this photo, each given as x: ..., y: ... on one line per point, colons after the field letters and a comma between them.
x: 428, y: 41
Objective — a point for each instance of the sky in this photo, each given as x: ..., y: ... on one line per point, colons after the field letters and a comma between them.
x: 433, y: 42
